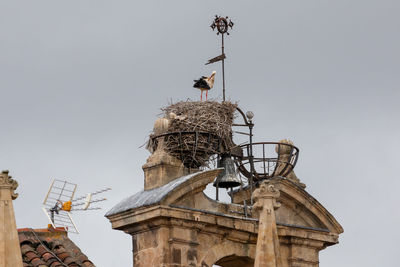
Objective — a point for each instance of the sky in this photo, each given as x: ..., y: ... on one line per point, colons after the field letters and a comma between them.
x: 81, y: 83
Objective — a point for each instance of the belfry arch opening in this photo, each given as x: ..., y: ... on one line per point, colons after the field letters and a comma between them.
x: 234, y: 261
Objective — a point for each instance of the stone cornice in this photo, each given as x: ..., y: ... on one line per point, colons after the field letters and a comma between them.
x: 136, y: 221
x: 289, y: 189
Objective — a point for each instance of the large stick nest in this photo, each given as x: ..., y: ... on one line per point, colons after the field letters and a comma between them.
x: 196, y: 130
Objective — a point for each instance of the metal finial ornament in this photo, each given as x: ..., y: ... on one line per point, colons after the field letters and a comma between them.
x: 222, y: 25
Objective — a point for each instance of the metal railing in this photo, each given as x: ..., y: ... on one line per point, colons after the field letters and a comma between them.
x: 264, y: 160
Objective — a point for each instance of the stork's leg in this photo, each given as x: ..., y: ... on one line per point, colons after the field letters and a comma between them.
x: 201, y: 97
x: 206, y: 94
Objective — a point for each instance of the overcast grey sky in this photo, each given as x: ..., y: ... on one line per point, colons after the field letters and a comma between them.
x: 81, y: 83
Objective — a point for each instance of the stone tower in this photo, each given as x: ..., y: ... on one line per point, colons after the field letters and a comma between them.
x: 173, y: 223
x: 10, y: 251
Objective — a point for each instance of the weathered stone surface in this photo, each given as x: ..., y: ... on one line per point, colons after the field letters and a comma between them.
x: 173, y: 223
x: 161, y: 168
x: 268, y: 249
x: 183, y: 221
x: 285, y: 155
x: 10, y: 251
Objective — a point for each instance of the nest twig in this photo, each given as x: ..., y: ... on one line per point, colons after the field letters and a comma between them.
x: 197, y: 130
x: 208, y: 116
x: 192, y: 148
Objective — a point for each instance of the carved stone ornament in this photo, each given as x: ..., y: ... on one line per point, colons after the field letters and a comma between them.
x: 266, y: 191
x: 268, y: 247
x: 7, y: 182
x: 285, y: 154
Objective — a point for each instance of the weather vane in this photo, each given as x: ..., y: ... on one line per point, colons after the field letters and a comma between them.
x: 222, y: 25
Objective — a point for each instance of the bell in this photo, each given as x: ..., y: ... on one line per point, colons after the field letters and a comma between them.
x: 227, y: 178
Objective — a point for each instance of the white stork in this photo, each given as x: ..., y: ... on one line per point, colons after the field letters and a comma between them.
x: 205, y: 83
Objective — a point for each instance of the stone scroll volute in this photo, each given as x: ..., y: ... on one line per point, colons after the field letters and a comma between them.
x: 6, y: 182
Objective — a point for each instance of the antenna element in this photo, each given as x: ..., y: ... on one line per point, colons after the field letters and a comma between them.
x: 59, y: 203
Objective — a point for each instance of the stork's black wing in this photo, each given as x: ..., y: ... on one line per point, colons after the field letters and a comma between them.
x: 201, y: 83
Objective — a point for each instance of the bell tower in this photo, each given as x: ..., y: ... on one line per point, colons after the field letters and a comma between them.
x: 271, y: 221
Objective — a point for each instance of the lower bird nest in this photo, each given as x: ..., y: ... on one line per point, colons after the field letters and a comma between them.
x: 194, y: 131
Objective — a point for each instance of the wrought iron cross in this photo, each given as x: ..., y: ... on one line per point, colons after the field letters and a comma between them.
x: 222, y: 25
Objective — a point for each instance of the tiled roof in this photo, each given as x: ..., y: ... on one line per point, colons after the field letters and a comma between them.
x: 50, y: 248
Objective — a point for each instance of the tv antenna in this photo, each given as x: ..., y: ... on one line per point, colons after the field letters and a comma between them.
x: 60, y: 202
x: 222, y: 25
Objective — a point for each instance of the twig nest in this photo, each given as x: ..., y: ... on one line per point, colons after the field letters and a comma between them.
x: 193, y: 131
x: 208, y: 116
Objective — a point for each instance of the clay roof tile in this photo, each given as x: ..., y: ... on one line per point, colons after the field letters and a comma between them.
x: 88, y: 264
x: 38, y: 263
x: 62, y: 256
x: 31, y: 255
x: 69, y: 260
x: 59, y: 248
x: 43, y: 248
x: 26, y: 248
x: 23, y: 239
x: 55, y: 264
x: 82, y: 258
x: 53, y: 261
x: 47, y: 256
